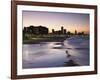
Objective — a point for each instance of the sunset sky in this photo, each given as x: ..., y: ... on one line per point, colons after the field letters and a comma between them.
x: 54, y: 20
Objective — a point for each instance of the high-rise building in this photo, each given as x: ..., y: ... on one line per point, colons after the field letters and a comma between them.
x: 53, y: 31
x: 75, y: 32
x: 62, y: 30
x: 36, y: 30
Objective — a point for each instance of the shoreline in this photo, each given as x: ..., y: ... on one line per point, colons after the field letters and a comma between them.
x: 51, y: 39
x: 60, y: 39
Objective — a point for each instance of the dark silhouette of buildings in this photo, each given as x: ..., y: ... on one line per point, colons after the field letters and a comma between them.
x: 65, y: 31
x: 79, y: 33
x: 37, y: 30
x: 75, y: 32
x: 53, y: 31
x: 62, y: 31
x: 41, y: 30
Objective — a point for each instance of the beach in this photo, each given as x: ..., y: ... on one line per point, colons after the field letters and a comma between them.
x: 53, y: 53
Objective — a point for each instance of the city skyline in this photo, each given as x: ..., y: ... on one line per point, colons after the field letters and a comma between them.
x: 54, y: 20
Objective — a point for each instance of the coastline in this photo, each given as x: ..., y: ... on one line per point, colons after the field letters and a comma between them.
x: 37, y: 41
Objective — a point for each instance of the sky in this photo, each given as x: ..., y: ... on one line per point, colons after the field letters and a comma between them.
x: 54, y: 20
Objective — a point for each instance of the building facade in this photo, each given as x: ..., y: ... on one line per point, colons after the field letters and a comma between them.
x: 37, y: 30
